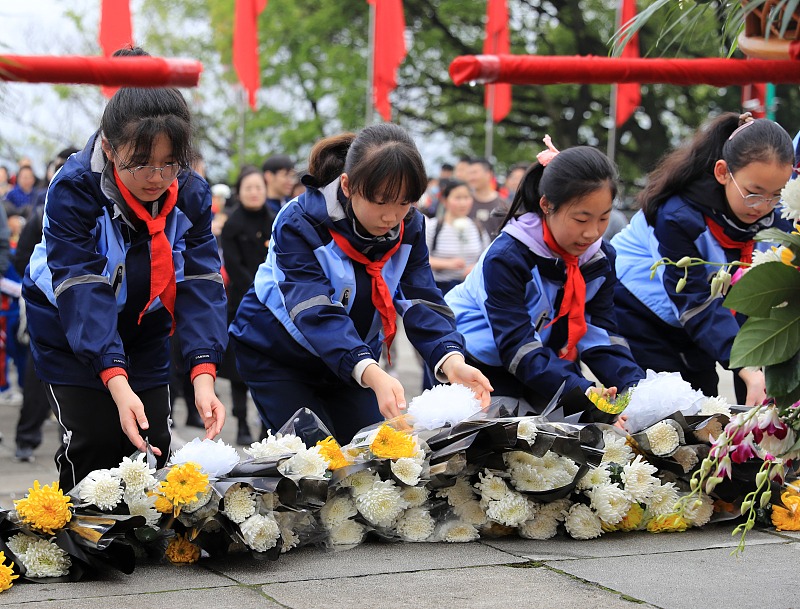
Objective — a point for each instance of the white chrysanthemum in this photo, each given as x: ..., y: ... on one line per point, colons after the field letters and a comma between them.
x: 336, y: 510
x: 142, y: 505
x: 790, y: 200
x: 491, y: 487
x: 289, y: 538
x: 306, y: 463
x: 43, y: 558
x: 699, y: 511
x: 616, y: 449
x: 215, y: 458
x: 529, y: 478
x: 594, y: 477
x: 610, y: 502
x: 201, y: 501
x: 382, y: 504
x: 715, y: 405
x: 135, y: 473
x: 360, y: 481
x: 406, y: 470
x: 415, y: 496
x: 582, y: 522
x: 274, y: 446
x: 260, y: 532
x: 460, y: 492
x: 511, y: 510
x: 662, y: 499
x: 541, y: 527
x: 19, y: 543
x: 557, y: 509
x: 455, y: 531
x: 348, y: 533
x: 638, y: 479
x: 526, y: 429
x: 102, y: 489
x: 239, y: 503
x: 443, y: 405
x: 773, y: 254
x: 416, y: 524
x: 470, y: 512
x: 663, y: 438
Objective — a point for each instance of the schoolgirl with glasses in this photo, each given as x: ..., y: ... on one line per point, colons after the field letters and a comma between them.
x: 127, y: 258
x: 707, y: 199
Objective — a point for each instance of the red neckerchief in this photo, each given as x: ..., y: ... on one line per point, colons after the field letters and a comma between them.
x: 573, y: 304
x: 381, y: 297
x: 162, y: 267
x: 745, y: 247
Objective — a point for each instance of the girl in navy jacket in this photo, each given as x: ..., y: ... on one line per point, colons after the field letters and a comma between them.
x: 345, y: 258
x: 707, y: 200
x: 126, y: 258
x: 539, y: 300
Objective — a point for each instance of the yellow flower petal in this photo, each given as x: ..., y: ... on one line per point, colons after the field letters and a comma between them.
x: 45, y: 508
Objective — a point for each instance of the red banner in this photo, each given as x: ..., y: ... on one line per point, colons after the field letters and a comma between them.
x: 497, y: 42
x: 116, y: 30
x: 388, y: 53
x: 245, y: 46
x: 629, y: 95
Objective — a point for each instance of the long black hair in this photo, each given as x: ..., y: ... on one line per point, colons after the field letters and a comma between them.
x: 381, y: 161
x: 137, y: 116
x: 759, y: 140
x: 572, y: 173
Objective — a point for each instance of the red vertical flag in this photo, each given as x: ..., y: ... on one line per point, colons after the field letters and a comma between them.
x: 115, y: 30
x: 497, y: 42
x: 245, y: 45
x: 388, y: 53
x: 629, y: 95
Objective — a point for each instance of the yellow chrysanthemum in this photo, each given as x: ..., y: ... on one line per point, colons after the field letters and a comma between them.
x: 7, y: 575
x: 668, y: 523
x: 392, y: 444
x: 330, y: 450
x: 45, y: 508
x: 787, y: 517
x: 604, y: 405
x: 183, y: 484
x: 181, y: 551
x: 793, y: 488
x: 787, y: 256
x: 633, y: 519
x: 162, y: 504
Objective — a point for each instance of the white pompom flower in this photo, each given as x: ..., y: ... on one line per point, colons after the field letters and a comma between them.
x: 260, y: 532
x: 416, y: 524
x: 594, y: 477
x: 43, y: 558
x: 638, y: 479
x: 790, y: 200
x: 102, y: 489
x: 359, y: 482
x: 443, y: 405
x: 582, y: 523
x: 662, y: 499
x: 609, y: 502
x: 306, y: 463
x: 455, y: 531
x: 526, y: 430
x: 715, y: 405
x: 616, y: 449
x: 541, y: 527
x: 215, y: 458
x: 348, y: 533
x: 239, y: 503
x: 557, y: 509
x: 382, y: 504
x: 491, y: 487
x: 336, y: 510
x: 136, y: 474
x: 415, y: 496
x: 143, y: 505
x: 699, y: 511
x: 471, y: 512
x: 663, y: 438
x: 406, y: 470
x: 460, y: 492
x: 511, y: 510
x: 275, y: 446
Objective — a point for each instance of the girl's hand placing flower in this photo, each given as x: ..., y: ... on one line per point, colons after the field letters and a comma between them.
x: 458, y: 371
x: 211, y: 409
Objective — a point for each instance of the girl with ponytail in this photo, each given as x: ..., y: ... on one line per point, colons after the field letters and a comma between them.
x: 707, y: 199
x: 346, y: 256
x: 538, y: 302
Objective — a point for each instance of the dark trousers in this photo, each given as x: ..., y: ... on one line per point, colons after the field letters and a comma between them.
x: 707, y: 381
x: 92, y: 437
x: 35, y: 408
x: 343, y: 409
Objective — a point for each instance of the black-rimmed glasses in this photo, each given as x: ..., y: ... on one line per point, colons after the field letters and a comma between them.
x: 169, y: 172
x: 753, y: 200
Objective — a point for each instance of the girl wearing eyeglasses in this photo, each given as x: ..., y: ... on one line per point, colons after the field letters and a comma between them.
x: 126, y: 259
x: 707, y: 199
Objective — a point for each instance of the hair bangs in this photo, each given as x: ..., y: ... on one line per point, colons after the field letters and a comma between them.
x: 390, y: 173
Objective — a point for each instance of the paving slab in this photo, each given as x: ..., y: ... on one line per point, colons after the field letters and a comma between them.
x: 712, y: 579
x: 635, y: 543
x: 146, y: 579
x: 367, y: 559
x: 476, y: 588
x: 232, y: 596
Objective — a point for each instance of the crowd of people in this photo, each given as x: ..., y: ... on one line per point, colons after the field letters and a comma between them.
x: 140, y: 281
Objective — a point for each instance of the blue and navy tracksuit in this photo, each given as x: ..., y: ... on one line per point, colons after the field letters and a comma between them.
x: 88, y: 280
x: 504, y: 306
x: 686, y: 332
x: 307, y: 329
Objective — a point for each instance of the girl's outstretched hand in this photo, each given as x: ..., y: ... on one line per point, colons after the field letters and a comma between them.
x: 388, y: 390
x: 211, y: 410
x: 131, y: 412
x: 458, y: 371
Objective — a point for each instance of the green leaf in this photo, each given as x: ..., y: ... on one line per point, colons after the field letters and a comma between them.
x: 776, y: 235
x: 784, y: 378
x: 763, y: 342
x: 763, y: 287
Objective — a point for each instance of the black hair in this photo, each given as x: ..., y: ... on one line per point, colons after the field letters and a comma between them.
x: 449, y: 185
x: 137, y: 116
x: 29, y: 168
x: 759, y: 140
x: 246, y: 171
x: 516, y: 166
x: 277, y: 162
x: 479, y: 160
x: 446, y: 167
x: 572, y: 173
x: 382, y: 163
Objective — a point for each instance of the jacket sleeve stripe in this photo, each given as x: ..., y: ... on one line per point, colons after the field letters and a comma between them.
x: 444, y: 310
x: 83, y: 279
x: 206, y: 276
x: 690, y: 313
x: 316, y: 301
x: 522, y: 352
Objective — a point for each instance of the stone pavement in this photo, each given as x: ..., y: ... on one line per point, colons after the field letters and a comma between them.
x: 683, y: 570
